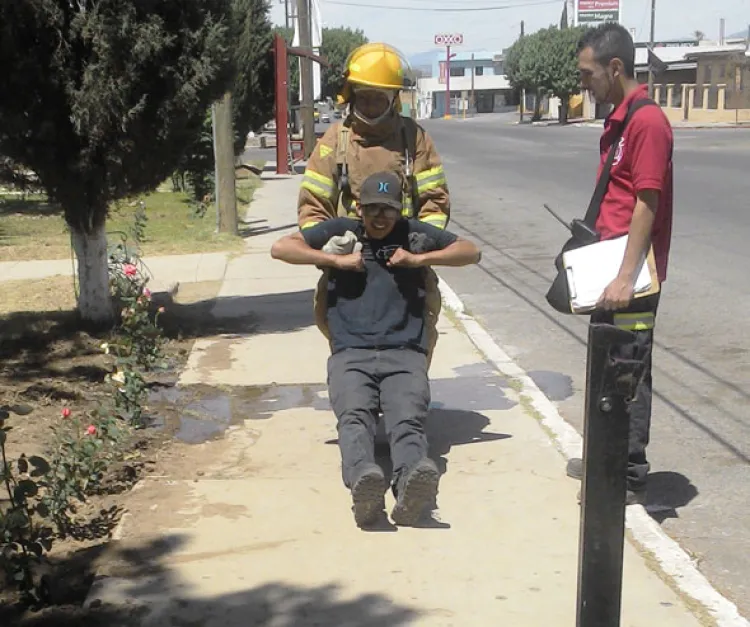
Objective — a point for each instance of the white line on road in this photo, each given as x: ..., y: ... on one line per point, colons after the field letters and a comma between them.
x: 646, y: 532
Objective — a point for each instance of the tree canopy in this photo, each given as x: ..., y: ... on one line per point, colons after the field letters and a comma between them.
x: 100, y: 98
x: 546, y: 62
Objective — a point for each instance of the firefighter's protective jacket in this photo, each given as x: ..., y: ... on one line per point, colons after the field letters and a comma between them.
x: 399, y: 145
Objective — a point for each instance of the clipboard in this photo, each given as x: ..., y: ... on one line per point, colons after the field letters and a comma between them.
x: 589, y: 269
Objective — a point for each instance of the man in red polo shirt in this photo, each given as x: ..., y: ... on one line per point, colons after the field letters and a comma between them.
x: 637, y: 203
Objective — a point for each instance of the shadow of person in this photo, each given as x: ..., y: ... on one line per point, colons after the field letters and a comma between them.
x: 667, y: 492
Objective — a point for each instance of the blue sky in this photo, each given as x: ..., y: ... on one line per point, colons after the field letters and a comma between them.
x: 413, y: 31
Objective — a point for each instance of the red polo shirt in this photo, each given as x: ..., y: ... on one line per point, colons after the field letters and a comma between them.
x: 643, y: 161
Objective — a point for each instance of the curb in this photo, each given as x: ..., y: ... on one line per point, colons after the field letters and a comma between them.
x: 673, y: 561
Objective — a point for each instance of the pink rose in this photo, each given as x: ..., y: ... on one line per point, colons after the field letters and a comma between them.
x: 147, y: 292
x: 91, y: 430
x: 130, y: 270
x: 66, y: 413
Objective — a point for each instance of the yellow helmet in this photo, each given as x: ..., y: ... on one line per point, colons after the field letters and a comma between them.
x: 375, y: 65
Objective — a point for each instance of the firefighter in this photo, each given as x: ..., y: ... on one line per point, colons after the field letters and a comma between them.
x: 375, y: 137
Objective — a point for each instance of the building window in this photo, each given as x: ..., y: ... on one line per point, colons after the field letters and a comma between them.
x: 479, y: 71
x: 458, y: 71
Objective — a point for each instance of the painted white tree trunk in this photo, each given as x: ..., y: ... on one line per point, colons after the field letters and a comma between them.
x: 94, y: 303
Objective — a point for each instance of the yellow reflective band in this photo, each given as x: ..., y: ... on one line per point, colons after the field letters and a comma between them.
x: 421, y: 176
x: 435, y: 219
x: 430, y: 179
x: 308, y: 225
x: 325, y: 151
x: 318, y: 184
x: 635, y: 321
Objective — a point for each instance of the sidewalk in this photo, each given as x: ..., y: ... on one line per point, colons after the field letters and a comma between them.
x: 163, y: 270
x: 255, y: 527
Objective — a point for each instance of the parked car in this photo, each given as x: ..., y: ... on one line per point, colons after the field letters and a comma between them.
x: 325, y: 118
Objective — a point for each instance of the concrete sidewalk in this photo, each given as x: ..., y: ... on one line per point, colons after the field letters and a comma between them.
x: 255, y: 527
x: 163, y: 270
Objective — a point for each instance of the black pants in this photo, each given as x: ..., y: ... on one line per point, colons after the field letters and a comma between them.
x: 638, y: 314
x: 361, y: 383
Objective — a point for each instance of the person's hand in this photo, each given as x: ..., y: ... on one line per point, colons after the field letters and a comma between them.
x: 404, y: 259
x: 352, y: 262
x: 617, y: 295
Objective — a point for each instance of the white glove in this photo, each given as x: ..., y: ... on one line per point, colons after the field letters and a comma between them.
x: 345, y: 244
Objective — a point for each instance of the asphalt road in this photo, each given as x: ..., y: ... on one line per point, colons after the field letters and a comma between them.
x: 500, y: 174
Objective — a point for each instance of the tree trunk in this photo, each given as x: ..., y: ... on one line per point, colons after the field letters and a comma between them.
x: 94, y: 302
x: 564, y: 102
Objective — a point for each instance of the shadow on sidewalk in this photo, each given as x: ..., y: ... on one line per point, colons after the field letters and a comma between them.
x: 668, y: 492
x: 148, y: 578
x: 260, y: 226
x: 267, y: 313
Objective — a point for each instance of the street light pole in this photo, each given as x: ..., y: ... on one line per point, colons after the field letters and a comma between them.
x: 650, y: 50
x: 448, y: 83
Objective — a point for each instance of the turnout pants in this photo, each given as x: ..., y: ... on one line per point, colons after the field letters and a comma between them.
x: 361, y: 383
x: 639, y: 318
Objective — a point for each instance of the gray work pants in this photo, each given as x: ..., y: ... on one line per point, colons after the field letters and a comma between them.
x: 361, y: 383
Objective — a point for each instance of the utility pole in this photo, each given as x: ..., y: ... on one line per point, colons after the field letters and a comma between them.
x: 650, y: 51
x: 224, y: 185
x: 306, y: 74
x: 523, y: 90
x: 473, y: 94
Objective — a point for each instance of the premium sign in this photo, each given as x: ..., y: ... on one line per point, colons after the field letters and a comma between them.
x: 449, y: 40
x: 591, y: 12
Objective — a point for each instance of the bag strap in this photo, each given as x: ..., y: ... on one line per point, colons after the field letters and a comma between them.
x: 592, y: 213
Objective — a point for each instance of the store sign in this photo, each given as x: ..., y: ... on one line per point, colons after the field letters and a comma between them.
x: 449, y: 40
x: 592, y: 12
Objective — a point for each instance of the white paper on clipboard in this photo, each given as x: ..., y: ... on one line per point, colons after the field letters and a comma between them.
x: 590, y: 269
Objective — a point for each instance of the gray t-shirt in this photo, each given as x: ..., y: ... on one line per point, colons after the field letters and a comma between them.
x: 381, y: 307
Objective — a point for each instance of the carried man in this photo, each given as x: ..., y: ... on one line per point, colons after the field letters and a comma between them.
x: 380, y: 341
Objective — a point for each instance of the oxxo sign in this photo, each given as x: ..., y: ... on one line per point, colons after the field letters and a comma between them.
x: 449, y: 40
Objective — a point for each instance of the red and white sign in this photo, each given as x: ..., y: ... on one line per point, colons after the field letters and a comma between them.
x: 444, y: 39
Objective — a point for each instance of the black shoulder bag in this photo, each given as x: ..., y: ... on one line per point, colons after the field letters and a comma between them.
x: 584, y: 231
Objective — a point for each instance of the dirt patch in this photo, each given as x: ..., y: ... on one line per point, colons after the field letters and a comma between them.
x: 48, y: 362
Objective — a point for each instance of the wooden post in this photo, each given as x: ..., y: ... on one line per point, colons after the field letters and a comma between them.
x: 224, y: 184
x: 306, y: 74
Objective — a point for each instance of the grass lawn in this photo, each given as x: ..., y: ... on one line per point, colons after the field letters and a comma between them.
x: 32, y: 228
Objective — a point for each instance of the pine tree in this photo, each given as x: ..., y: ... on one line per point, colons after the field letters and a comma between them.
x: 100, y: 99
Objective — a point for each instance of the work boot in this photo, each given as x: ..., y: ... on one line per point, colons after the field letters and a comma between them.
x: 368, y: 495
x: 574, y: 469
x: 415, y: 490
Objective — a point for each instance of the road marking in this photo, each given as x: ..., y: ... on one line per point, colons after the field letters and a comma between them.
x: 646, y: 532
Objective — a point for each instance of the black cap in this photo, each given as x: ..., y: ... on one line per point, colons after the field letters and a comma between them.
x: 383, y: 188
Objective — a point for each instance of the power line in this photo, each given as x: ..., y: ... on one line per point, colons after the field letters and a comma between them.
x: 441, y: 10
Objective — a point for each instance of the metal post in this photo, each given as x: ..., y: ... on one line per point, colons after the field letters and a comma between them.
x: 448, y: 82
x: 282, y: 110
x: 610, y: 383
x: 306, y: 74
x: 473, y: 94
x: 651, y: 47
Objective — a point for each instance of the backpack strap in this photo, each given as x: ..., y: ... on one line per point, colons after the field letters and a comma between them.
x: 343, y: 202
x: 409, y: 131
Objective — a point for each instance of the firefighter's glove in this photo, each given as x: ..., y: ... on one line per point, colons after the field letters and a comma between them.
x: 345, y: 244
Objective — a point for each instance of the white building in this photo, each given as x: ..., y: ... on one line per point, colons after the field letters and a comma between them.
x: 477, y: 83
